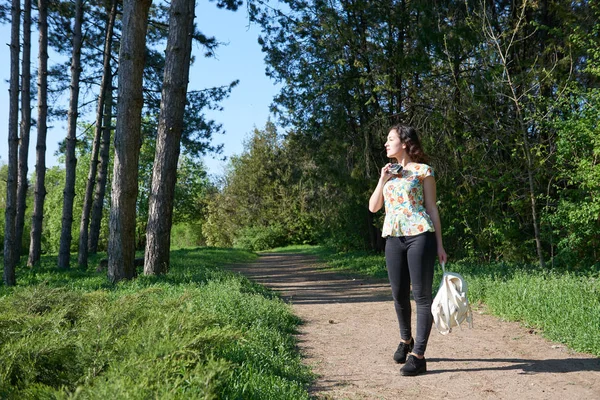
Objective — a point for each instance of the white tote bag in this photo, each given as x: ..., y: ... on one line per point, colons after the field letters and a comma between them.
x: 451, y: 306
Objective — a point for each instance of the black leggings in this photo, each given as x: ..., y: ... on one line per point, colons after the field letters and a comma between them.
x: 411, y: 259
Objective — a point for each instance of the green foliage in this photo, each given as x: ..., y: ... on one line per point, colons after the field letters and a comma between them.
x: 198, y: 332
x: 191, y: 190
x: 320, y: 251
x: 253, y: 182
x: 480, y: 82
x: 264, y: 199
x: 186, y: 235
x: 219, y: 228
x: 573, y: 212
x: 52, y: 224
x: 260, y: 238
x: 188, y: 212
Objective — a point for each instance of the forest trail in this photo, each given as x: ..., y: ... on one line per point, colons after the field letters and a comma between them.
x: 350, y: 333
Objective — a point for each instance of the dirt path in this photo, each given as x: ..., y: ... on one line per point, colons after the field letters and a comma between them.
x: 350, y: 333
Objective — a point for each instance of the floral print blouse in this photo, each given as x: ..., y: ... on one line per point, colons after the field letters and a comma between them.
x: 405, y: 213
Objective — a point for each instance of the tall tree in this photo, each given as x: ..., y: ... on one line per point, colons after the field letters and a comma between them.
x: 528, y: 70
x: 102, y: 178
x: 71, y: 160
x: 35, y: 244
x: 105, y: 85
x: 518, y: 90
x: 23, y: 184
x: 170, y: 127
x: 121, y: 243
x: 10, y: 248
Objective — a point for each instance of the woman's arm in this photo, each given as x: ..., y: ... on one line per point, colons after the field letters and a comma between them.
x: 376, y: 200
x: 429, y: 197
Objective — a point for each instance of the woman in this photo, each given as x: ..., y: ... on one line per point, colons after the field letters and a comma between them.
x: 413, y: 237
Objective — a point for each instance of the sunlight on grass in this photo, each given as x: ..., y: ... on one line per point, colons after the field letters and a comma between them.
x: 197, y: 332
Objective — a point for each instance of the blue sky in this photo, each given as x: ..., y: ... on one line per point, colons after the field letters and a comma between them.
x: 239, y: 58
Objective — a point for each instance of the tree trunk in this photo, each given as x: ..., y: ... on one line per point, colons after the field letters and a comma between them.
x: 23, y: 183
x: 71, y: 163
x: 10, y: 251
x: 170, y: 126
x: 35, y: 244
x: 96, y: 219
x: 121, y: 240
x: 534, y: 217
x: 89, y: 190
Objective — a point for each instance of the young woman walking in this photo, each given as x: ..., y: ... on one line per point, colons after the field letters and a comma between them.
x: 413, y: 238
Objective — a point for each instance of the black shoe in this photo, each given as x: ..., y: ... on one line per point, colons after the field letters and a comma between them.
x: 403, y: 350
x: 414, y: 366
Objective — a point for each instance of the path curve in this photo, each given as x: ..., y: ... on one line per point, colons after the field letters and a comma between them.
x: 350, y: 333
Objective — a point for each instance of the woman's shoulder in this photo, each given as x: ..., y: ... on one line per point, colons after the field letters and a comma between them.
x: 422, y: 169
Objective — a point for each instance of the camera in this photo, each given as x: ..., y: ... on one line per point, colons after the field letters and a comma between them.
x: 395, y: 169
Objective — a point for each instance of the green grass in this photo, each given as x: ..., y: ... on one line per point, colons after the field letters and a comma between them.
x: 563, y: 305
x: 300, y: 249
x: 198, y: 332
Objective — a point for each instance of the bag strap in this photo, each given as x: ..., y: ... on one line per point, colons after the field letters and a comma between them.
x: 443, y: 267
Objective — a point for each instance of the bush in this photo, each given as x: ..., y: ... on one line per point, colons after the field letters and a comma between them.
x: 258, y: 238
x: 186, y: 234
x: 344, y: 241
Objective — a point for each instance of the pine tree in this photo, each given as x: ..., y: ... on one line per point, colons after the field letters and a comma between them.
x: 35, y: 244
x: 121, y: 243
x: 71, y: 160
x: 10, y: 241
x: 170, y: 127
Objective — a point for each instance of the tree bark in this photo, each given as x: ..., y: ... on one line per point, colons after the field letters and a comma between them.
x: 23, y: 183
x: 170, y: 126
x: 101, y: 179
x: 10, y: 251
x: 121, y: 241
x: 71, y: 162
x: 35, y: 244
x: 89, y: 190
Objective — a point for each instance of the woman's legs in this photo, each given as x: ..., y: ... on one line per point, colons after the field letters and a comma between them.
x: 397, y: 267
x: 411, y: 259
x: 421, y: 254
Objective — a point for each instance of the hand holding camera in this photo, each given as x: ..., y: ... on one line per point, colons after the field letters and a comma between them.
x: 395, y: 169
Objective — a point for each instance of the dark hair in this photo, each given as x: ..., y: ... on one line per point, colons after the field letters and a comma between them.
x: 408, y: 136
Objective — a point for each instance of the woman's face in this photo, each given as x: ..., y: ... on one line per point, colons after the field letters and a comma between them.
x: 394, y: 147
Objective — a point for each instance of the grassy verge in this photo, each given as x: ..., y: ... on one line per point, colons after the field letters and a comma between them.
x: 198, y: 332
x: 564, y: 306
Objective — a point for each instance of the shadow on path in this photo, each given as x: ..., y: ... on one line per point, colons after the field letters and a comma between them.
x: 526, y: 366
x: 300, y: 280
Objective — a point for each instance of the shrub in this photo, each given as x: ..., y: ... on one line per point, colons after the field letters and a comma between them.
x: 258, y: 238
x: 186, y: 234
